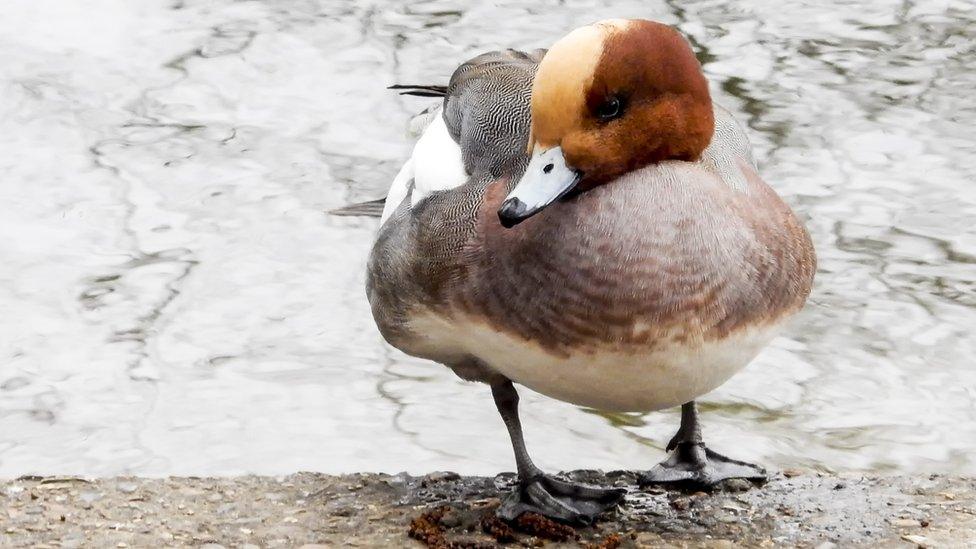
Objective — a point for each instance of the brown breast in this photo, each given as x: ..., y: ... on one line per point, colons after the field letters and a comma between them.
x: 670, y: 252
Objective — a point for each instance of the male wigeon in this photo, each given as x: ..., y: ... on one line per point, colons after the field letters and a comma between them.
x: 587, y: 223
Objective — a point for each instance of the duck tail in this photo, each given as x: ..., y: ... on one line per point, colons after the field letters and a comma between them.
x: 371, y: 208
x: 420, y: 90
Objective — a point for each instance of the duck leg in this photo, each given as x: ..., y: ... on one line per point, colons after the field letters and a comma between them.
x: 690, y: 462
x: 540, y: 493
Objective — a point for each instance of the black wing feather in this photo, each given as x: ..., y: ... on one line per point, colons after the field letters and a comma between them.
x: 420, y: 90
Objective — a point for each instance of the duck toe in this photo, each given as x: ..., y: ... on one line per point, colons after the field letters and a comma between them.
x: 694, y: 465
x: 559, y: 500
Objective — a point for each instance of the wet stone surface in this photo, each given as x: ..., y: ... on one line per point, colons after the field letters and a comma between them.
x: 447, y: 510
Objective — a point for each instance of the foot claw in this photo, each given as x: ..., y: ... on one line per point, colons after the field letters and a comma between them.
x: 694, y: 464
x: 559, y: 500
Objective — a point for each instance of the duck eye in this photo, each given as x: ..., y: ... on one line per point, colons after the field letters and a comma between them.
x: 611, y: 108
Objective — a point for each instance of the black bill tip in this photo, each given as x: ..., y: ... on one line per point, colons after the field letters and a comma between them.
x: 512, y: 212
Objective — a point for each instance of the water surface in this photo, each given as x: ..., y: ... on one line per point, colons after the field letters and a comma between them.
x: 175, y: 301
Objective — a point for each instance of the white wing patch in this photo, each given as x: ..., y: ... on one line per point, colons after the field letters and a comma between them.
x: 435, y: 165
x: 398, y: 190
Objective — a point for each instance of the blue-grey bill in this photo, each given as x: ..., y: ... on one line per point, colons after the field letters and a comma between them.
x: 546, y: 179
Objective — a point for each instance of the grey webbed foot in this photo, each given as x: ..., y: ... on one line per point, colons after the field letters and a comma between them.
x: 559, y: 500
x: 693, y: 464
x: 537, y: 492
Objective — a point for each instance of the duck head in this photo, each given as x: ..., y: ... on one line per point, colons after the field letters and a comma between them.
x: 607, y: 99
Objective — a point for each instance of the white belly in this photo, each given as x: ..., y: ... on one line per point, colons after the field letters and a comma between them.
x: 618, y: 380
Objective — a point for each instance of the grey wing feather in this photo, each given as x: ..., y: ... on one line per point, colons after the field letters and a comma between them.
x: 420, y: 121
x: 370, y: 208
x: 486, y: 111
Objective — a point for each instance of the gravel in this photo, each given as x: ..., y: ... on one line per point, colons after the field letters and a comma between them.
x: 446, y: 510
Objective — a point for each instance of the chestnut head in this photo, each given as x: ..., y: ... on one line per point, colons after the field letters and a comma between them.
x: 607, y: 99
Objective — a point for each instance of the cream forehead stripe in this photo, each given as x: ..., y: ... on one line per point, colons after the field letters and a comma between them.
x: 559, y: 88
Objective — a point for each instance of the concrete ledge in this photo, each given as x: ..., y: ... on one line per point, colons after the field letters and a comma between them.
x: 445, y: 510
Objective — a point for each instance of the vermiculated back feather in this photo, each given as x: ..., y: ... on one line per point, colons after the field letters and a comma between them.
x: 487, y: 112
x: 486, y: 109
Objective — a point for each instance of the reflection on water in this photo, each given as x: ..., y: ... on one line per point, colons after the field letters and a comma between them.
x: 175, y: 300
